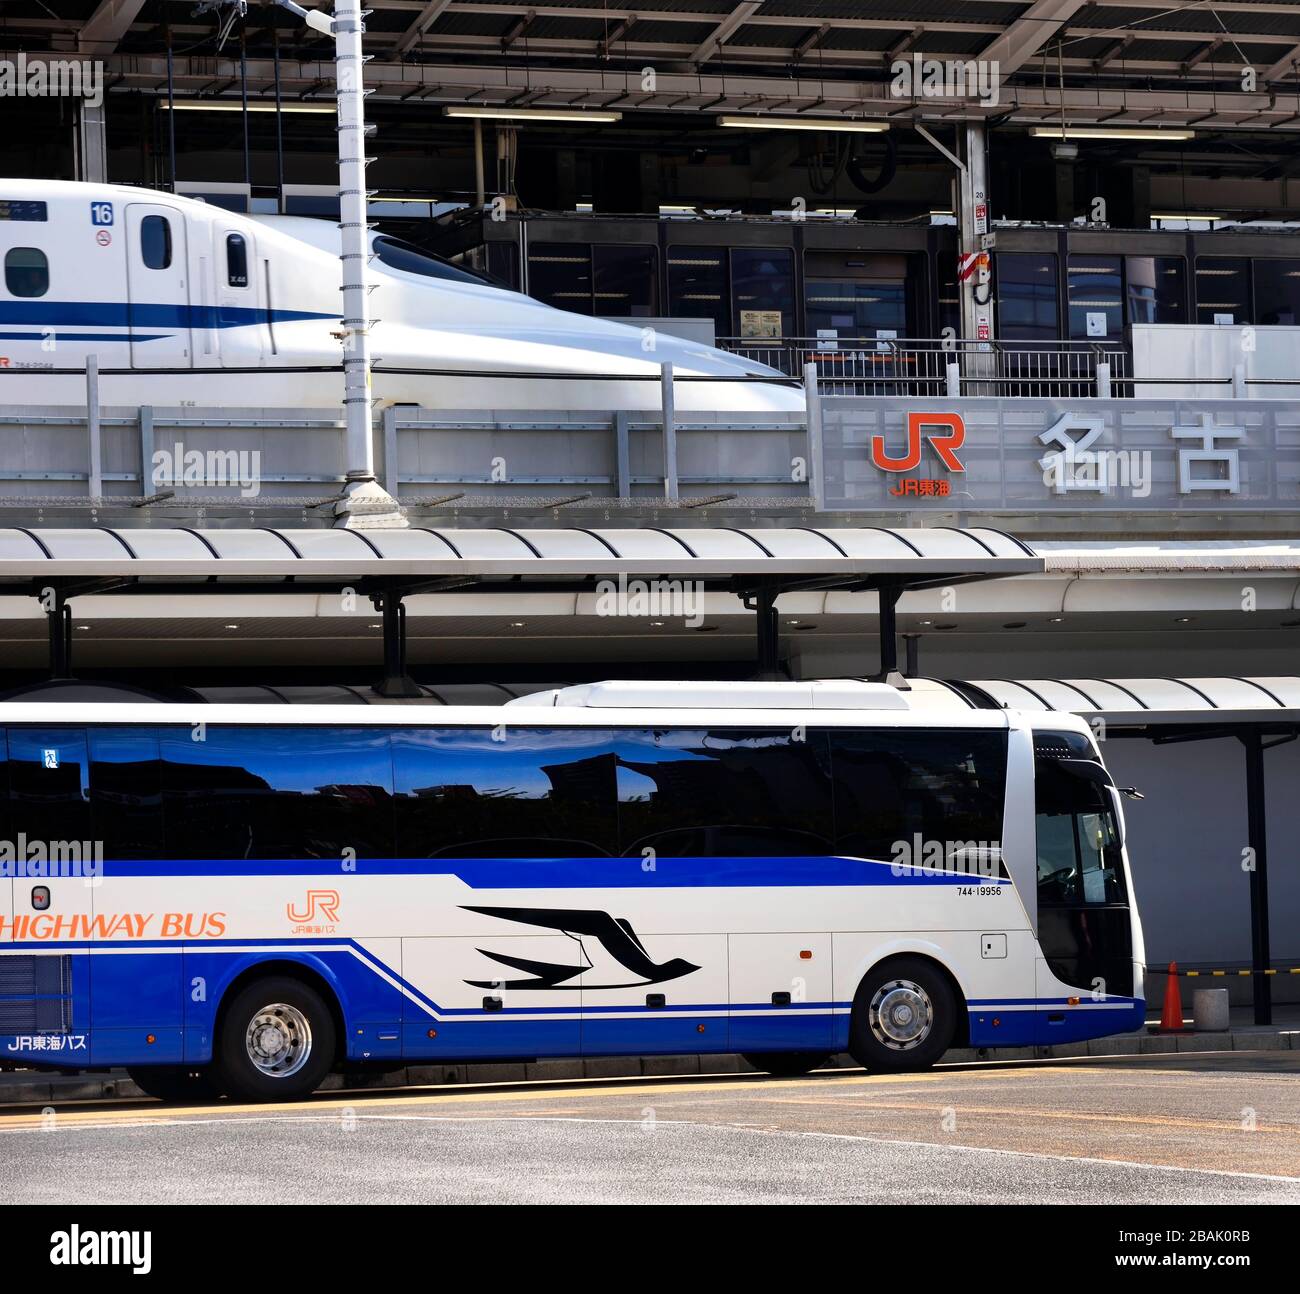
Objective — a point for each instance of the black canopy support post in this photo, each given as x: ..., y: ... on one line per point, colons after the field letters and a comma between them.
x: 889, y: 672
x: 58, y: 621
x: 396, y: 681
x: 762, y: 602
x: 912, y: 655
x: 1257, y: 839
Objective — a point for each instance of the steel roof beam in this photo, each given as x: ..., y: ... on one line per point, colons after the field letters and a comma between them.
x: 428, y: 15
x: 105, y: 27
x: 1029, y: 33
x: 724, y: 30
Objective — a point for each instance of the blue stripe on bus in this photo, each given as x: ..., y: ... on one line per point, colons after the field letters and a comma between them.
x: 574, y: 873
x: 124, y: 314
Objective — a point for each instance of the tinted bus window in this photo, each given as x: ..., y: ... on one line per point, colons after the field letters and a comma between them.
x: 267, y: 793
x: 156, y: 242
x: 535, y: 794
x: 719, y: 794
x: 48, y: 793
x: 1078, y: 842
x: 126, y: 792
x: 27, y: 272
x: 892, y: 787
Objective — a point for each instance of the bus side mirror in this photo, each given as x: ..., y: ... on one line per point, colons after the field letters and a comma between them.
x: 1131, y: 791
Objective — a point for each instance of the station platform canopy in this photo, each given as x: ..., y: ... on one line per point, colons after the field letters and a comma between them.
x: 790, y: 557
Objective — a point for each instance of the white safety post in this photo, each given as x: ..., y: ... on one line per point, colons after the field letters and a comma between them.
x: 813, y: 415
x: 670, y: 431
x: 95, y: 477
x: 1238, y: 381
x: 1103, y: 380
x: 952, y: 374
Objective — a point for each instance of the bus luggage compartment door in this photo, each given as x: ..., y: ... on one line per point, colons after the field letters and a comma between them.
x: 780, y: 992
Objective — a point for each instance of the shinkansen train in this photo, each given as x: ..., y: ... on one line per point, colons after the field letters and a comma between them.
x: 185, y: 303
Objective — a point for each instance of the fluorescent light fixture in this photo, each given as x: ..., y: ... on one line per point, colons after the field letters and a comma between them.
x: 804, y: 123
x: 531, y: 114
x: 229, y: 105
x: 1108, y: 132
x: 1183, y: 215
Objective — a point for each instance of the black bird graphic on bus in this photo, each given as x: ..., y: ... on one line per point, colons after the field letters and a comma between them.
x: 615, y: 935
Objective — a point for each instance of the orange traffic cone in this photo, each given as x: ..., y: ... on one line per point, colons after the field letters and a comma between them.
x: 1171, y: 1018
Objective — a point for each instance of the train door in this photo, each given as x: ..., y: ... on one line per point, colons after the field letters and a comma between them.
x: 157, y: 287
x: 53, y: 894
x: 243, y: 316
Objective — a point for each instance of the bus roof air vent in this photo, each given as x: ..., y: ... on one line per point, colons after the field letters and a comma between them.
x: 817, y: 694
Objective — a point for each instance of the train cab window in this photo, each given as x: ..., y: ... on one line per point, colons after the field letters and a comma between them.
x: 399, y: 255
x: 236, y: 261
x: 1223, y: 290
x: 27, y: 272
x: 1096, y: 296
x: 156, y: 242
x: 1277, y: 292
x: 1157, y: 289
x: 1026, y: 297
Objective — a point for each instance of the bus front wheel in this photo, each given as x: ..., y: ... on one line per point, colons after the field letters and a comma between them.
x: 786, y: 1064
x: 276, y: 1041
x: 904, y: 1016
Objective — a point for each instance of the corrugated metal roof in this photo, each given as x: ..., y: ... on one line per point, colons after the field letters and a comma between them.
x: 1148, y: 701
x: 545, y: 553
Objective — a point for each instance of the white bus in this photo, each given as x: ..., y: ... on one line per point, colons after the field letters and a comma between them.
x: 241, y: 899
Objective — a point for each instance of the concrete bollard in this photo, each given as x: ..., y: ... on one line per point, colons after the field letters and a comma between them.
x: 1210, y: 1010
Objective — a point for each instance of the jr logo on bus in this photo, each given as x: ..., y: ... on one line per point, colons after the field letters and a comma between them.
x: 614, y: 935
x: 946, y: 433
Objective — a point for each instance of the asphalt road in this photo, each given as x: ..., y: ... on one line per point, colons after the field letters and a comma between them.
x: 1214, y: 1128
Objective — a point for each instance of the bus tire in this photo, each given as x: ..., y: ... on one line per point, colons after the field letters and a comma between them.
x: 786, y: 1064
x: 174, y: 1083
x: 276, y: 1042
x: 904, y: 1016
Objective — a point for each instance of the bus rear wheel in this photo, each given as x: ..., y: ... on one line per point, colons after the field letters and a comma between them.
x: 173, y: 1083
x: 786, y: 1064
x: 276, y: 1041
x: 904, y: 1016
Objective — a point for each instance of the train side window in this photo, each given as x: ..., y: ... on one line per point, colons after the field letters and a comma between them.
x: 1223, y: 290
x: 1026, y: 297
x: 1157, y: 289
x: 236, y: 261
x: 156, y: 242
x: 698, y: 286
x: 1096, y: 295
x: 1277, y: 292
x: 27, y: 272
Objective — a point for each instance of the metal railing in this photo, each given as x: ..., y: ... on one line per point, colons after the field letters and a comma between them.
x: 946, y: 366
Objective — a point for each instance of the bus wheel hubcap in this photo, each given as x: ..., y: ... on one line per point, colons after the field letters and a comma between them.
x: 901, y: 1014
x: 278, y: 1040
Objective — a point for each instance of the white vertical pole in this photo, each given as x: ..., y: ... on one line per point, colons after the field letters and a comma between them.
x: 355, y: 242
x: 670, y: 430
x: 95, y: 477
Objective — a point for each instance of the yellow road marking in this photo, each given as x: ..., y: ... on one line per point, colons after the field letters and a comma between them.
x: 1071, y: 1116
x: 417, y: 1097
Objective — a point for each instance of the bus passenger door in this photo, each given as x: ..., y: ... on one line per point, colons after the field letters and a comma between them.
x: 53, y: 894
x: 781, y: 992
x: 158, y: 287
